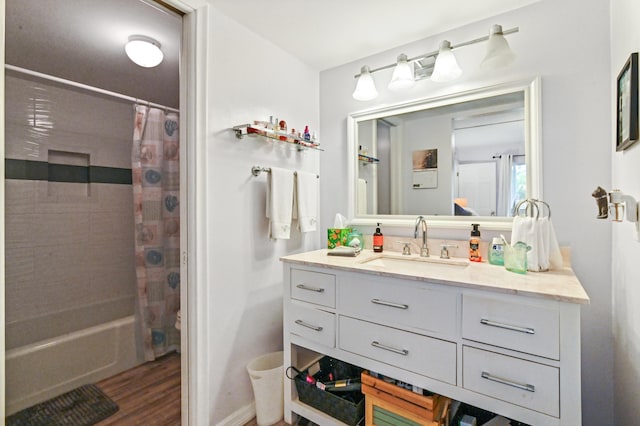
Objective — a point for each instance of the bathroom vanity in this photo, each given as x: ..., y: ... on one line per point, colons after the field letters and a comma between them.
x: 474, y: 332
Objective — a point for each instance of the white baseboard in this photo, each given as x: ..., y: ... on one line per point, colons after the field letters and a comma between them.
x: 240, y: 417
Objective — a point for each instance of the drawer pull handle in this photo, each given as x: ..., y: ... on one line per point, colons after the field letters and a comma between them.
x: 389, y: 348
x: 392, y: 304
x: 526, y: 387
x: 526, y: 330
x: 306, y: 287
x: 312, y: 327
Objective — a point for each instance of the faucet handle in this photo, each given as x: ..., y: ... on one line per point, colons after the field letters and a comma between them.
x: 406, y: 249
x: 444, y: 251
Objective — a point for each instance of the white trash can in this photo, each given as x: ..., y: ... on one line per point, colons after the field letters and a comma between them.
x: 266, y: 374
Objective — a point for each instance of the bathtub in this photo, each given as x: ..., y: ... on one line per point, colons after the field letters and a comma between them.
x: 41, y: 370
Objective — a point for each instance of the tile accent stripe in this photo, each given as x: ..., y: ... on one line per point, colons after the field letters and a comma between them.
x: 40, y: 170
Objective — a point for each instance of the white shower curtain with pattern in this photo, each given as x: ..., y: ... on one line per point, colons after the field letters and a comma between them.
x: 156, y: 184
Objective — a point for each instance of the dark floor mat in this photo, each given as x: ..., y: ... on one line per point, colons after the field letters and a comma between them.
x: 84, y: 406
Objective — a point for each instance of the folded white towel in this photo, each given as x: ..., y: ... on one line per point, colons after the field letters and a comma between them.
x: 362, y: 197
x: 306, y: 201
x: 279, y: 202
x: 540, y: 236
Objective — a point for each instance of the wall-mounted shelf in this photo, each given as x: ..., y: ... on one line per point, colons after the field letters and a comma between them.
x: 243, y: 130
x: 366, y: 159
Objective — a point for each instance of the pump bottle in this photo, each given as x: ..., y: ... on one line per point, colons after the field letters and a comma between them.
x: 378, y: 240
x: 474, y: 244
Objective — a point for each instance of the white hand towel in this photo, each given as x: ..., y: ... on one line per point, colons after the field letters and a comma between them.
x: 307, y: 201
x: 362, y: 196
x: 540, y: 236
x: 553, y: 256
x: 279, y: 203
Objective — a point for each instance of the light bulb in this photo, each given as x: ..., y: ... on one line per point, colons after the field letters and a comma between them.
x: 365, y: 87
x: 446, y: 67
x: 144, y: 51
x: 499, y: 54
x: 402, y: 77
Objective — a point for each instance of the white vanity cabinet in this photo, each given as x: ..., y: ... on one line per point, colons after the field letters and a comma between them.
x: 506, y: 348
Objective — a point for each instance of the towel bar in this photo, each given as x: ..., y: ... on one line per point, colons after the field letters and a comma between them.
x: 256, y: 170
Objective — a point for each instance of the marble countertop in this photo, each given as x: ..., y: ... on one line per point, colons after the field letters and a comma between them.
x: 561, y: 284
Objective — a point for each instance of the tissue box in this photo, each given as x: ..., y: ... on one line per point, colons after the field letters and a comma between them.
x: 337, y: 237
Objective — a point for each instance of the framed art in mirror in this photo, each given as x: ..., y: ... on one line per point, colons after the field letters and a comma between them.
x: 627, y: 104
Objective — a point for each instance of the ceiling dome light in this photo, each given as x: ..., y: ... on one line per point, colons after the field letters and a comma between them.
x: 446, y: 67
x: 365, y: 87
x: 402, y: 75
x: 499, y: 54
x: 144, y: 51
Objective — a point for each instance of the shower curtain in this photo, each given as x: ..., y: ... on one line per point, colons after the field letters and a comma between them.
x: 156, y: 179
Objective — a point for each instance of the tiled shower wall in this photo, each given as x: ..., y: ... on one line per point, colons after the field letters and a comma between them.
x: 69, y: 241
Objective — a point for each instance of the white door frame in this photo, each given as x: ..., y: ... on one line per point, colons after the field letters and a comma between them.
x: 2, y: 233
x: 193, y: 107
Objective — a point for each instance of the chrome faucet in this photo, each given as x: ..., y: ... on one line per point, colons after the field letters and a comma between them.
x: 424, y: 250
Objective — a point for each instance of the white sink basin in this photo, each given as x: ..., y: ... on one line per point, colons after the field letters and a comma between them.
x: 410, y: 263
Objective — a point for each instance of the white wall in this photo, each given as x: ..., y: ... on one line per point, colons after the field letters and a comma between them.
x: 625, y: 39
x: 566, y: 44
x: 430, y: 201
x: 248, y: 79
x: 69, y: 245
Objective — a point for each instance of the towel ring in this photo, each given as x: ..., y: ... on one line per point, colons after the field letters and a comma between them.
x: 531, y: 206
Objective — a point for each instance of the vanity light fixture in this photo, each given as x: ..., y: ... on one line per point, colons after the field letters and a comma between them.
x: 402, y: 77
x: 144, y: 51
x: 444, y: 69
x: 365, y: 88
x: 499, y: 54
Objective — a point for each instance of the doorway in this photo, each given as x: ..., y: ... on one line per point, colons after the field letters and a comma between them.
x: 68, y: 158
x: 477, y: 185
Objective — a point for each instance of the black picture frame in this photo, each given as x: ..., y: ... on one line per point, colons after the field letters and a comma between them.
x: 627, y: 104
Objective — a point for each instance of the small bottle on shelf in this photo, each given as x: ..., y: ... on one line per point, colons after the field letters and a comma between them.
x: 307, y: 135
x: 282, y: 128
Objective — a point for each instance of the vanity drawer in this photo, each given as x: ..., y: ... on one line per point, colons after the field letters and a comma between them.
x: 423, y: 355
x: 522, y: 327
x: 313, y: 324
x: 313, y: 287
x: 525, y: 383
x: 397, y: 302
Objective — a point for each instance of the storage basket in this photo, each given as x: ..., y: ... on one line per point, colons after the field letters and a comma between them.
x: 348, y: 407
x: 389, y: 404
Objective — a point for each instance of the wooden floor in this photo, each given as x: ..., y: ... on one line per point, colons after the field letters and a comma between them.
x: 254, y: 422
x: 147, y: 395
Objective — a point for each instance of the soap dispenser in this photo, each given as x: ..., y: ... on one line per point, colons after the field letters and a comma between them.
x: 474, y: 244
x: 378, y: 240
x: 496, y: 252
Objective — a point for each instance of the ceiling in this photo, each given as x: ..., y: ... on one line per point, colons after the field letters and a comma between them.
x: 328, y: 33
x: 83, y: 40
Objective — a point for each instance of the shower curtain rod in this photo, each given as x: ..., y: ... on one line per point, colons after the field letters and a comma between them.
x: 87, y: 87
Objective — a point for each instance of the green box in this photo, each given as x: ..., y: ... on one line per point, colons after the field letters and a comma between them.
x: 337, y: 237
